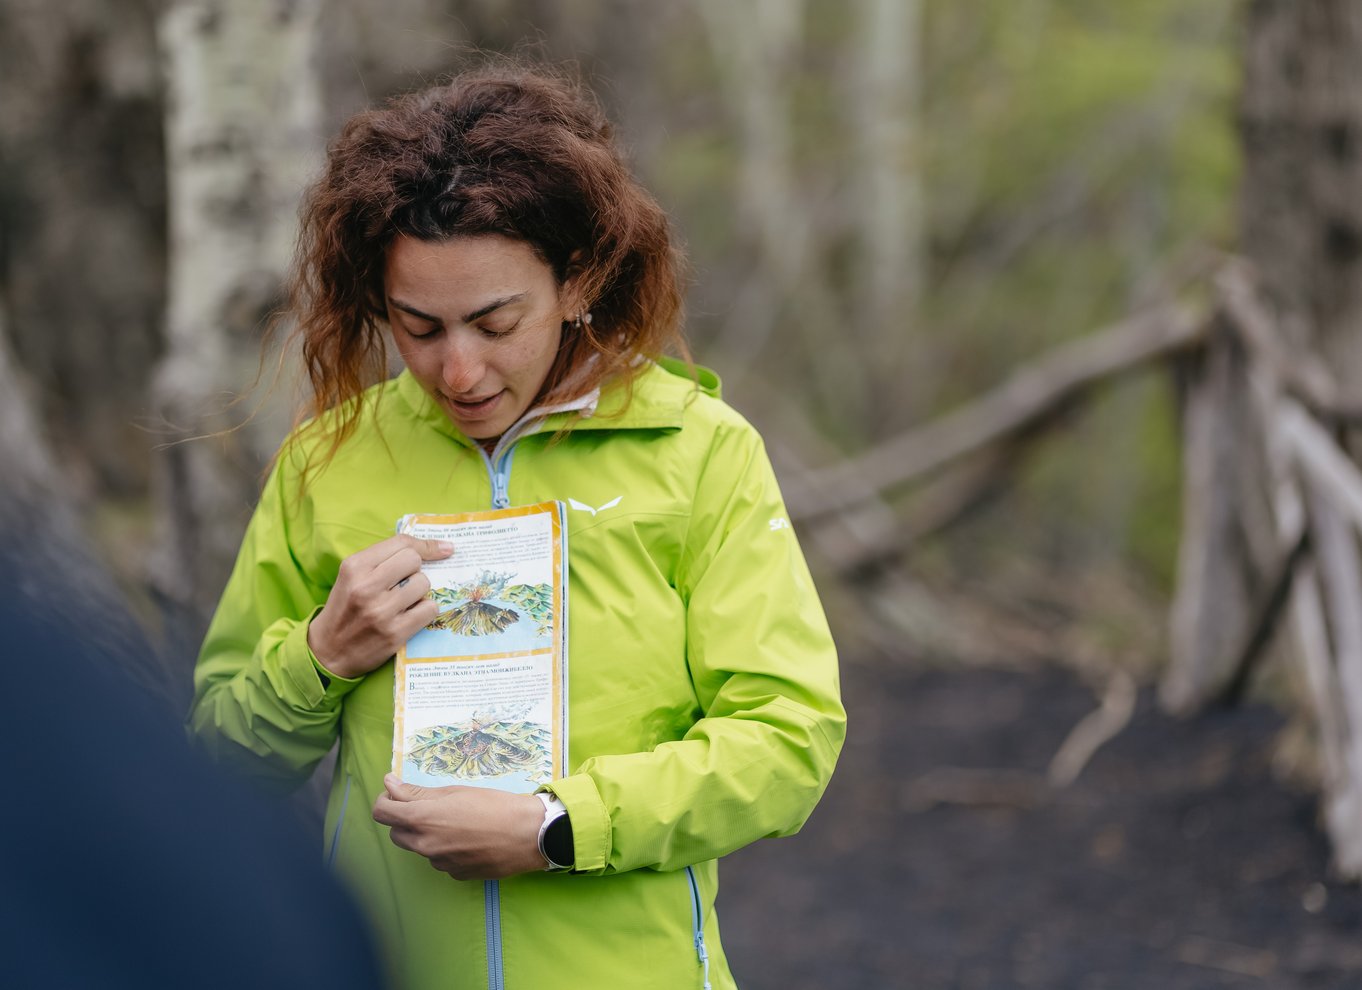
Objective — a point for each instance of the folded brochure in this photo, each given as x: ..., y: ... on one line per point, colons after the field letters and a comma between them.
x: 480, y: 694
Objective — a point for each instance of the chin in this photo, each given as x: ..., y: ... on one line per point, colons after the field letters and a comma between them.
x: 482, y: 432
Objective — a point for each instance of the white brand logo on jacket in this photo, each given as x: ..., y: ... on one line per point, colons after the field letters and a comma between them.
x: 583, y: 507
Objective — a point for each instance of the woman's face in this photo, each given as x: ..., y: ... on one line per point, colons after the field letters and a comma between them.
x: 477, y: 321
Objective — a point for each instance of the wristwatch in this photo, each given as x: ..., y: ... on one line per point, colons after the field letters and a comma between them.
x: 555, y: 834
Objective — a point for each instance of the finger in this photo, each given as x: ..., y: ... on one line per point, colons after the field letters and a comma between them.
x: 395, y: 787
x: 416, y: 617
x: 403, y: 838
x: 397, y: 599
x: 399, y: 790
x: 409, y: 591
x: 404, y: 563
x: 390, y: 812
x: 428, y: 549
x: 375, y: 553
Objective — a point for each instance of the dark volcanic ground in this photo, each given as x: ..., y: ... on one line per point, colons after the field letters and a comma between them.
x: 939, y: 859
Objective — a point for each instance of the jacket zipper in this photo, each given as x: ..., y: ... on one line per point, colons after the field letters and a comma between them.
x: 340, y: 820
x: 499, y: 474
x: 491, y: 896
x: 698, y: 926
x: 498, y: 465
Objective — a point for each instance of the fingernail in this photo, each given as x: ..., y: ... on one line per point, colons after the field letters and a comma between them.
x: 446, y: 546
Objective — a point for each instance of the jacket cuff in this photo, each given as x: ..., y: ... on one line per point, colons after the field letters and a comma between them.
x: 590, y: 822
x: 318, y: 687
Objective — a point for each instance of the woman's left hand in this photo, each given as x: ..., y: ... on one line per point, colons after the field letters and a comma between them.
x: 471, y: 833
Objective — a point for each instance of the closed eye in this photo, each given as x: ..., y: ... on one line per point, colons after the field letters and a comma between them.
x: 414, y: 322
x: 495, y: 332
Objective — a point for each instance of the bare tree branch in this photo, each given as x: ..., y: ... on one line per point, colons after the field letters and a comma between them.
x: 1328, y: 468
x: 1285, y: 425
x: 1301, y: 372
x: 1033, y: 392
x: 1094, y: 729
x: 942, y: 503
x: 1264, y: 618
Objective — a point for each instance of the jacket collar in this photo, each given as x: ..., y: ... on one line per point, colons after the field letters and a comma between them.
x: 655, y: 400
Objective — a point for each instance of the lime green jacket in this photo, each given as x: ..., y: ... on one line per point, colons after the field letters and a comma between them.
x: 703, y: 692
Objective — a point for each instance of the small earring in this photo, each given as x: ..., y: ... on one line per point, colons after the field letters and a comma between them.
x: 582, y: 318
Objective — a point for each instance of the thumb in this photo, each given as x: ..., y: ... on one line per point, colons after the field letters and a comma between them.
x: 399, y: 790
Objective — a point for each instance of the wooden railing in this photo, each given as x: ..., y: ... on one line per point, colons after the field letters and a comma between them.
x: 1270, y: 516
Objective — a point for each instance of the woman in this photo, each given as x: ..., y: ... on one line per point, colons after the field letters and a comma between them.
x: 490, y: 230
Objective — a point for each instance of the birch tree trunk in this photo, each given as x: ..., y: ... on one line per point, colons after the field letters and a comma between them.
x: 757, y: 47
x: 242, y: 133
x: 754, y: 47
x: 889, y: 187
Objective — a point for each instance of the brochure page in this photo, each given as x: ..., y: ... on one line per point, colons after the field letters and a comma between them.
x: 480, y: 694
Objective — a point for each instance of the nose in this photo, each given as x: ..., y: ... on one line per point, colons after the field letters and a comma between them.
x: 463, y: 367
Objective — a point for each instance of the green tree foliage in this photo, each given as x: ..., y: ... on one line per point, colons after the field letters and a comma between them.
x: 1065, y: 150
x: 1102, y: 149
x: 1070, y: 151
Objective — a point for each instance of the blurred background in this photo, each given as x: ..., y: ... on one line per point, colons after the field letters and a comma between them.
x: 890, y: 207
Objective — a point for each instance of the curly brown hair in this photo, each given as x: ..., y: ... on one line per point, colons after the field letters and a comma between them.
x: 511, y: 149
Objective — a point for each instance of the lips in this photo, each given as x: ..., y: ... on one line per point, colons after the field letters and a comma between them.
x: 475, y: 407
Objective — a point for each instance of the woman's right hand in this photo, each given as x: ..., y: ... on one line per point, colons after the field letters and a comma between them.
x: 378, y: 603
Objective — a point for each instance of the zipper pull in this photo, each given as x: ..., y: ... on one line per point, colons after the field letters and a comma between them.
x: 501, y: 497
x: 703, y: 953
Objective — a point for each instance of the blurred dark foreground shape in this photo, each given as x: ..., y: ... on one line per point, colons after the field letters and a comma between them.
x: 127, y: 860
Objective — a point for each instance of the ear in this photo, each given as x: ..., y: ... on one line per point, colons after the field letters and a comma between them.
x: 570, y: 294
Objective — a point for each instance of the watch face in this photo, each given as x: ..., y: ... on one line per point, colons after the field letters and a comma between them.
x: 558, y: 842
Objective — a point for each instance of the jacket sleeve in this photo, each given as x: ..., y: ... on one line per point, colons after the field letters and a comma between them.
x: 764, y: 668
x: 261, y: 700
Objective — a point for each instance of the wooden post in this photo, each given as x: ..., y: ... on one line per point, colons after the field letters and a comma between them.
x: 1341, y: 570
x: 1286, y: 432
x: 1214, y: 596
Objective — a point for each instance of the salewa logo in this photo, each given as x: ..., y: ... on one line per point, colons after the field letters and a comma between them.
x: 583, y: 507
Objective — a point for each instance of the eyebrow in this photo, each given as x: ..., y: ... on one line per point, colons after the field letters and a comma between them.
x: 477, y: 314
